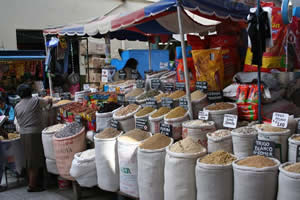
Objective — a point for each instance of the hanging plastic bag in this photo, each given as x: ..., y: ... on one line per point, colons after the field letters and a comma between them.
x: 73, y: 77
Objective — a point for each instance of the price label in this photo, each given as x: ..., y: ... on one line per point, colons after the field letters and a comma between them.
x: 298, y: 153
x: 121, y: 99
x: 155, y: 84
x: 280, y: 120
x: 151, y: 102
x: 230, y: 121
x: 264, y: 148
x: 140, y: 83
x: 183, y: 103
x: 203, y: 115
x: 134, y: 74
x: 78, y: 119
x: 215, y: 96
x: 180, y: 86
x: 167, y: 102
x: 169, y: 87
x: 114, y: 124
x: 166, y: 129
x: 202, y: 86
x: 142, y: 124
x: 131, y: 100
x: 122, y: 74
x: 298, y: 127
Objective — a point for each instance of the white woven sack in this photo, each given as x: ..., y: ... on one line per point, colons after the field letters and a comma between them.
x: 51, y: 166
x: 127, y: 122
x: 280, y: 138
x: 47, y: 140
x: 180, y: 178
x: 103, y: 119
x: 293, y: 145
x: 177, y: 125
x: 255, y: 183
x: 88, y: 180
x: 216, y: 144
x: 288, y: 184
x: 127, y: 153
x: 151, y: 164
x: 107, y: 164
x: 81, y: 166
x: 218, y: 177
x: 155, y: 124
x: 243, y: 144
x: 145, y: 117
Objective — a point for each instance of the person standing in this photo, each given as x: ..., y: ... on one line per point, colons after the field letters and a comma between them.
x: 28, y: 114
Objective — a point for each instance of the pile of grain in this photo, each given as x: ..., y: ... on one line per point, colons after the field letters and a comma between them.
x: 293, y: 168
x: 87, y: 154
x: 160, y: 112
x: 54, y: 128
x: 257, y: 161
x: 135, y: 135
x: 144, y: 111
x: 177, y: 94
x: 196, y: 95
x: 158, y: 97
x: 197, y: 122
x: 126, y: 110
x: 296, y: 138
x: 148, y: 94
x: 108, y: 133
x: 270, y: 128
x: 220, y: 133
x: 218, y: 158
x: 69, y: 130
x: 157, y: 141
x: 245, y: 131
x: 135, y: 92
x: 220, y: 106
x: 176, y: 112
x: 187, y: 145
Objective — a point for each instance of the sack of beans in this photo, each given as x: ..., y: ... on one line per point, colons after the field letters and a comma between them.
x: 215, y: 171
x: 243, y: 139
x: 197, y: 130
x: 151, y: 163
x: 125, y: 116
x: 106, y: 156
x: 83, y: 168
x: 105, y: 114
x: 127, y: 154
x: 47, y: 139
x: 294, y: 145
x: 180, y: 163
x: 175, y: 118
x: 219, y: 140
x: 255, y: 177
x: 218, y: 110
x: 277, y: 135
x: 199, y: 101
x: 143, y: 115
x: 156, y: 118
x: 176, y: 95
x: 66, y: 142
x: 289, y: 181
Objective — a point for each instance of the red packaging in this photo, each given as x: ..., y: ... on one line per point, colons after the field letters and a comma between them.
x: 253, y: 94
x: 242, y: 93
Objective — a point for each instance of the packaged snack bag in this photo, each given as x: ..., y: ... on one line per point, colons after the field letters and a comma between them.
x: 242, y: 93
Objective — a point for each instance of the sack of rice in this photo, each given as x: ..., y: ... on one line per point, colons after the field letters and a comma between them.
x: 143, y: 115
x: 219, y: 140
x: 125, y: 117
x: 156, y: 118
x: 180, y: 179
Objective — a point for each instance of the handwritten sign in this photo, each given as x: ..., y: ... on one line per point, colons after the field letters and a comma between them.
x: 166, y: 129
x: 151, y: 102
x: 78, y: 118
x: 140, y: 83
x: 215, y: 96
x: 264, y: 148
x: 167, y: 102
x: 169, y: 87
x: 180, y: 86
x: 122, y: 74
x: 155, y: 84
x: 114, y: 124
x: 203, y: 115
x: 230, y: 121
x: 131, y: 100
x: 202, y: 86
x: 121, y: 99
x: 142, y: 124
x: 134, y: 74
x: 280, y: 120
x: 183, y: 103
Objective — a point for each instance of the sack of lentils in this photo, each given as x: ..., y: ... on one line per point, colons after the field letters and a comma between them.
x: 289, y: 181
x: 243, y: 139
x: 215, y: 170
x: 277, y: 135
x: 294, y: 145
x: 127, y: 154
x: 176, y: 95
x: 255, y: 177
x: 180, y: 163
x: 106, y: 157
x: 151, y: 163
x: 218, y: 110
x: 134, y: 93
x: 175, y: 118
x: 219, y: 140
x: 197, y: 129
x: 141, y: 99
x: 144, y: 114
x: 125, y: 116
x: 156, y: 118
x: 199, y: 101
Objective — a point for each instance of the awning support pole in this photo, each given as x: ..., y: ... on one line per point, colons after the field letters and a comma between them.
x: 186, y: 72
x: 47, y: 67
x: 149, y: 56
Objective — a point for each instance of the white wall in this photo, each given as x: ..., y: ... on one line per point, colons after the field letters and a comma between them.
x: 40, y: 14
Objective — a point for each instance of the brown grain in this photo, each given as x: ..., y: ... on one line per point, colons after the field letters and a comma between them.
x: 218, y: 158
x: 257, y: 161
x: 108, y: 133
x: 157, y: 141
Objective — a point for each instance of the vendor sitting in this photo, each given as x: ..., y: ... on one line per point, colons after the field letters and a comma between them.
x: 128, y: 72
x: 9, y: 112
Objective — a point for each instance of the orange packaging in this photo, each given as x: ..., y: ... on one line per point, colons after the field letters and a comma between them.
x: 242, y: 93
x: 253, y: 94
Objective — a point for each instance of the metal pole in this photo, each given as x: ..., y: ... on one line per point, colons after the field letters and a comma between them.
x: 149, y: 56
x: 49, y: 71
x: 87, y: 59
x: 259, y: 67
x: 186, y: 72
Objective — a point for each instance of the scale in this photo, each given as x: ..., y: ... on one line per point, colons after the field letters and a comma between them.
x: 289, y: 11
